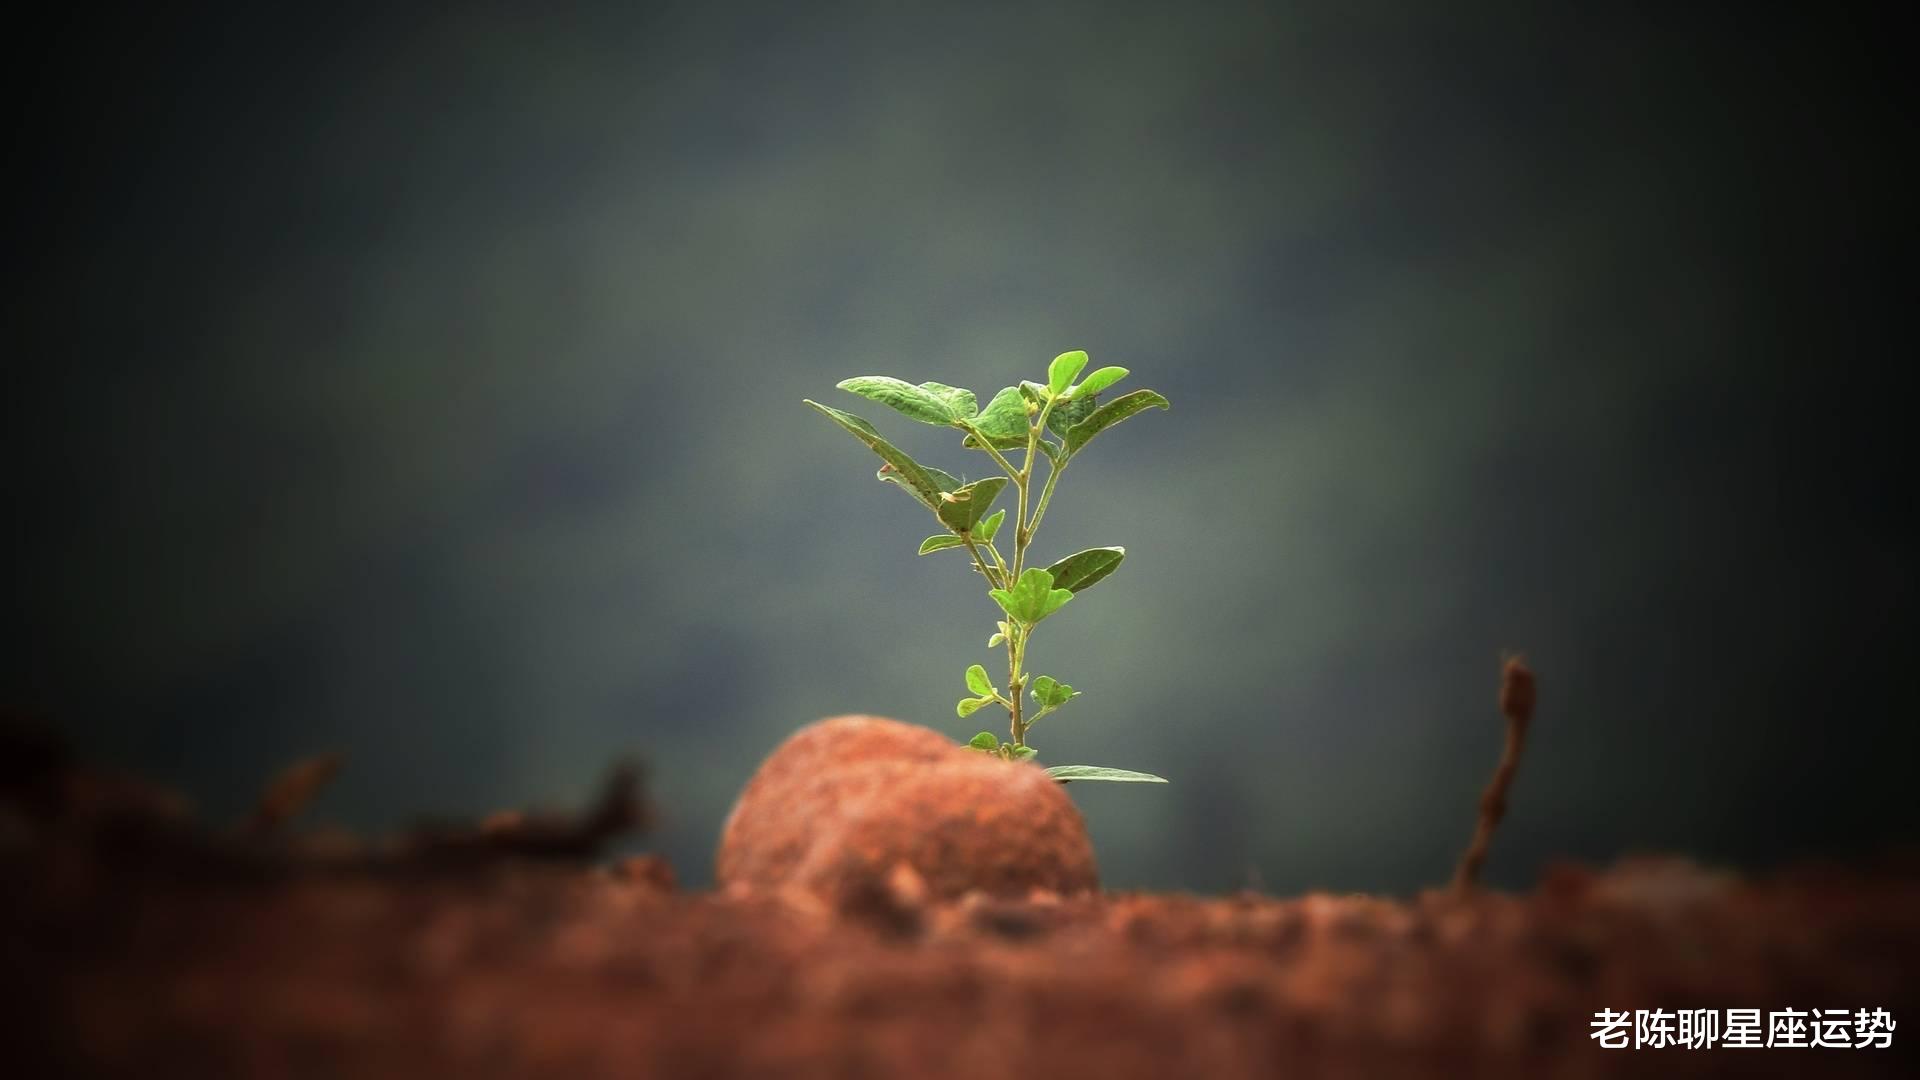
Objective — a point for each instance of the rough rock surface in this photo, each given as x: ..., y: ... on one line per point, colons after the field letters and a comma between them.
x: 844, y: 804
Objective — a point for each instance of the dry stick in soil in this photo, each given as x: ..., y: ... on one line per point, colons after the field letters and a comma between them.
x: 621, y: 807
x: 1516, y: 704
x: 290, y: 792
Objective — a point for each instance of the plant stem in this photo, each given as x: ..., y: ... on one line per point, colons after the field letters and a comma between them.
x: 985, y: 570
x: 1046, y: 495
x: 1022, y: 536
x: 998, y: 561
x: 1016, y: 655
x: 1022, y: 531
x: 1012, y: 473
x: 1020, y: 526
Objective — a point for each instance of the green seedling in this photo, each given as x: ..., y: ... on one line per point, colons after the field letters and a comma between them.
x: 1018, y: 419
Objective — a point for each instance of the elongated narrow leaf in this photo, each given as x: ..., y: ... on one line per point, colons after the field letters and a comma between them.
x: 1099, y: 381
x: 1082, y: 569
x: 964, y: 507
x: 961, y: 401
x: 1065, y: 368
x: 1110, y: 414
x: 989, y: 527
x: 942, y: 479
x: 940, y: 543
x: 1032, y: 598
x: 978, y: 682
x: 1068, y: 773
x: 916, y: 402
x: 905, y: 471
x: 986, y: 740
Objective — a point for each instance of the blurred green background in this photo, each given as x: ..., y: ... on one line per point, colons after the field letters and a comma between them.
x: 427, y: 388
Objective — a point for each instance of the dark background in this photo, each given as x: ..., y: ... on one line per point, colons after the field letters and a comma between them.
x: 427, y: 388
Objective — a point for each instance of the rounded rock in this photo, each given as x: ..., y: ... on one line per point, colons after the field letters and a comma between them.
x: 844, y: 802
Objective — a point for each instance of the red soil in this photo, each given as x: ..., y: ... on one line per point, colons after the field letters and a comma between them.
x: 147, y: 948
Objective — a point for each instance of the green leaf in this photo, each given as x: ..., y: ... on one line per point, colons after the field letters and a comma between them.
x: 965, y: 506
x: 940, y: 543
x: 942, y: 479
x: 960, y: 401
x: 919, y: 481
x: 967, y: 706
x: 1003, y: 421
x: 1099, y: 381
x: 916, y: 402
x: 1067, y: 413
x: 1022, y: 753
x: 1032, y: 598
x: 1052, y: 693
x: 978, y: 682
x: 986, y: 740
x: 1083, y: 569
x: 959, y: 513
x: 1005, y: 600
x: 1067, y: 773
x: 995, y: 641
x: 1065, y: 368
x: 1110, y: 414
x: 989, y: 527
x: 1056, y: 599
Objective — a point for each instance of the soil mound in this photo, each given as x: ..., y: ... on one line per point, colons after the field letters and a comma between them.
x: 857, y: 803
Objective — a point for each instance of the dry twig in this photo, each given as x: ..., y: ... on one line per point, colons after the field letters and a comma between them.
x: 289, y: 792
x: 621, y: 807
x: 1516, y: 704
